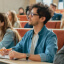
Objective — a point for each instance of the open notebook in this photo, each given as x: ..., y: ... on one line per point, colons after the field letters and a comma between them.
x: 4, y: 57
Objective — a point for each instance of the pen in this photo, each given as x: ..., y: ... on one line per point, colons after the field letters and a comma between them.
x: 6, y: 49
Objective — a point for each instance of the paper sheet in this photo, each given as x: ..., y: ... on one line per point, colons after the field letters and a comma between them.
x: 4, y: 57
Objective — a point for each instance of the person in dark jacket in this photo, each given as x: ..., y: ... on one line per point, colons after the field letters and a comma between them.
x: 56, y: 16
x: 59, y: 57
x: 27, y: 25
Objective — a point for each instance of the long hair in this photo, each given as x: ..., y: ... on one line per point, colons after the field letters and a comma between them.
x: 14, y: 17
x: 7, y: 24
x: 17, y: 37
x: 62, y: 24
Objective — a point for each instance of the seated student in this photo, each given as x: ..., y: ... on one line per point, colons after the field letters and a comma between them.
x: 59, y: 57
x: 39, y: 44
x: 56, y: 16
x: 8, y: 36
x: 62, y: 24
x: 21, y: 11
x: 13, y: 19
x: 27, y: 24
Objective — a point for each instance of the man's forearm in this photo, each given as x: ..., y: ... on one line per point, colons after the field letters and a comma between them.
x: 35, y: 57
x: 14, y: 54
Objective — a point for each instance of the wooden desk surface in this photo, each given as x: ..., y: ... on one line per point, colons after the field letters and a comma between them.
x: 22, y: 62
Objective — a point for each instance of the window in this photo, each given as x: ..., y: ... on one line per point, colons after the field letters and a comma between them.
x: 60, y: 4
x: 48, y: 2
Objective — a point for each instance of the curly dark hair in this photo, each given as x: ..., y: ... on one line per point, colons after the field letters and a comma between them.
x: 43, y: 11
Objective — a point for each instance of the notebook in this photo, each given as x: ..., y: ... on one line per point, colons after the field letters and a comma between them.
x: 4, y: 57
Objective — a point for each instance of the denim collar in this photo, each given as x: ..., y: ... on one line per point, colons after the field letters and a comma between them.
x: 42, y: 32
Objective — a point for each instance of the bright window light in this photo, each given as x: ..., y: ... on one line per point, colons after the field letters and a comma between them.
x: 48, y: 2
x: 60, y: 6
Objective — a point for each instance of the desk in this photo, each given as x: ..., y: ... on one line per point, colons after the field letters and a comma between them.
x: 22, y: 62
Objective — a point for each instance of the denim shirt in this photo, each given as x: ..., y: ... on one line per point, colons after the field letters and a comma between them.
x: 8, y: 39
x: 46, y: 45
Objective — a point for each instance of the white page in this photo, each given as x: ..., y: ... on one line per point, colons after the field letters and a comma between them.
x: 4, y: 57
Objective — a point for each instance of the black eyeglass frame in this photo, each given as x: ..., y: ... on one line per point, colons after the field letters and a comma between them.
x: 32, y: 14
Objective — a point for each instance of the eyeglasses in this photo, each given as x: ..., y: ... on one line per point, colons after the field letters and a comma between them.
x: 32, y: 14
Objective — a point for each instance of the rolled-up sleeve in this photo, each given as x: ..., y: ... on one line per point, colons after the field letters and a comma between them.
x: 51, y: 49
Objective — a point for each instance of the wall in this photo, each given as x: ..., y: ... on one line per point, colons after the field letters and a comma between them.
x: 39, y: 1
x: 6, y: 5
x: 32, y: 2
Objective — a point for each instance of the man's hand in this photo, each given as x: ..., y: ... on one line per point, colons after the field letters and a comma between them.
x: 14, y: 54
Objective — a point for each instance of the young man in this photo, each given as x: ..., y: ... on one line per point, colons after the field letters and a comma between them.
x: 56, y: 16
x: 39, y: 44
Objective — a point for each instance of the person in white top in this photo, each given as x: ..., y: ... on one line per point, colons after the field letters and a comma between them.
x: 13, y: 19
x: 8, y: 36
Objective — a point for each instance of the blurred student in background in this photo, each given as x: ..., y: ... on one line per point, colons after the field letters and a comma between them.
x: 59, y: 57
x: 28, y: 9
x: 62, y: 22
x: 13, y: 19
x: 56, y: 16
x: 8, y: 36
x: 21, y: 11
